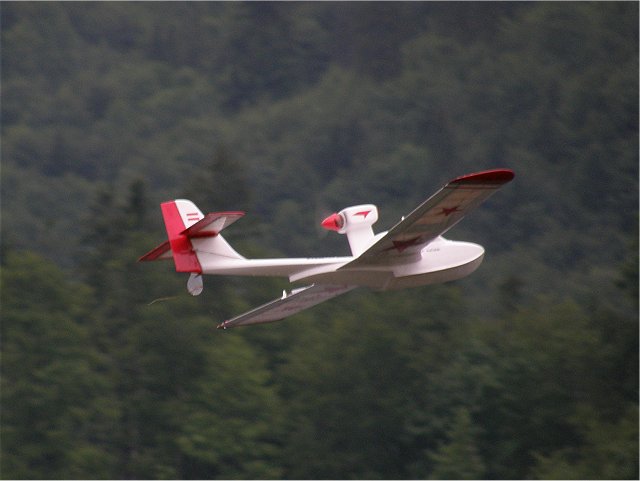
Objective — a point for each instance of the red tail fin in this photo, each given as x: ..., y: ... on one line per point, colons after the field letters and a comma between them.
x: 188, y: 231
x: 183, y: 255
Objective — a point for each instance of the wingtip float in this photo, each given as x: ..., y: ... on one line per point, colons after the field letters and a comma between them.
x: 411, y: 253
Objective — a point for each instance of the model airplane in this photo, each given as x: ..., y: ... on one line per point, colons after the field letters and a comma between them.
x: 412, y: 253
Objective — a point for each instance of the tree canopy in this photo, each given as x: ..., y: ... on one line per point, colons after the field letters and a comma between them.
x: 527, y: 369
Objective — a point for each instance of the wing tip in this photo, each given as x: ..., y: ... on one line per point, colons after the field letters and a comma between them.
x: 493, y: 176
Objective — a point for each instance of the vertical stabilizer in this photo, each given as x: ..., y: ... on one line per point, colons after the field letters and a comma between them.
x: 178, y: 216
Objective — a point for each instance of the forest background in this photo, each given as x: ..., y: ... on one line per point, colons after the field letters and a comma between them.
x: 528, y: 368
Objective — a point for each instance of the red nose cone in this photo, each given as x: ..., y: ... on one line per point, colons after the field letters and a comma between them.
x: 333, y: 222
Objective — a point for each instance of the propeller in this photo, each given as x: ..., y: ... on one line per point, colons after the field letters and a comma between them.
x: 322, y: 211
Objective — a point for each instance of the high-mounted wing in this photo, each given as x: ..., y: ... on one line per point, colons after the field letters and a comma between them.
x: 434, y: 217
x: 288, y: 305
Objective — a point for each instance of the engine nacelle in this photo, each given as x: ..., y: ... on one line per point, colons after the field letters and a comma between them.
x: 356, y: 222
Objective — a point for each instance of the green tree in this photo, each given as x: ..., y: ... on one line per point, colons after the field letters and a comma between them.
x: 319, y: 106
x: 351, y: 379
x: 56, y: 421
x: 607, y: 450
x: 230, y: 424
x: 628, y: 279
x: 458, y: 458
x: 223, y: 185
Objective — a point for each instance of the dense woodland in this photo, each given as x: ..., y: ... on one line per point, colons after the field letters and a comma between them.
x: 290, y: 111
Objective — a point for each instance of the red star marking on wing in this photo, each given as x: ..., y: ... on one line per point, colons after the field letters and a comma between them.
x: 446, y: 211
x: 401, y: 245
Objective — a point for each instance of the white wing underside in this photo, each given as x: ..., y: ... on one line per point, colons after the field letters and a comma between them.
x: 288, y: 305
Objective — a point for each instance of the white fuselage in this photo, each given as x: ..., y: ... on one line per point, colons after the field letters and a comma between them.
x: 440, y: 261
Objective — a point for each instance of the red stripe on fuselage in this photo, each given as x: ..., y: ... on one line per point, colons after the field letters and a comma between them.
x: 184, y: 257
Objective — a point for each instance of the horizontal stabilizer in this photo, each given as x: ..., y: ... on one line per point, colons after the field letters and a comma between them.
x: 162, y: 252
x: 288, y: 305
x: 212, y: 224
x: 184, y: 221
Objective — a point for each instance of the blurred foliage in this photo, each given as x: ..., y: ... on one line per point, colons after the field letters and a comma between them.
x: 529, y: 368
